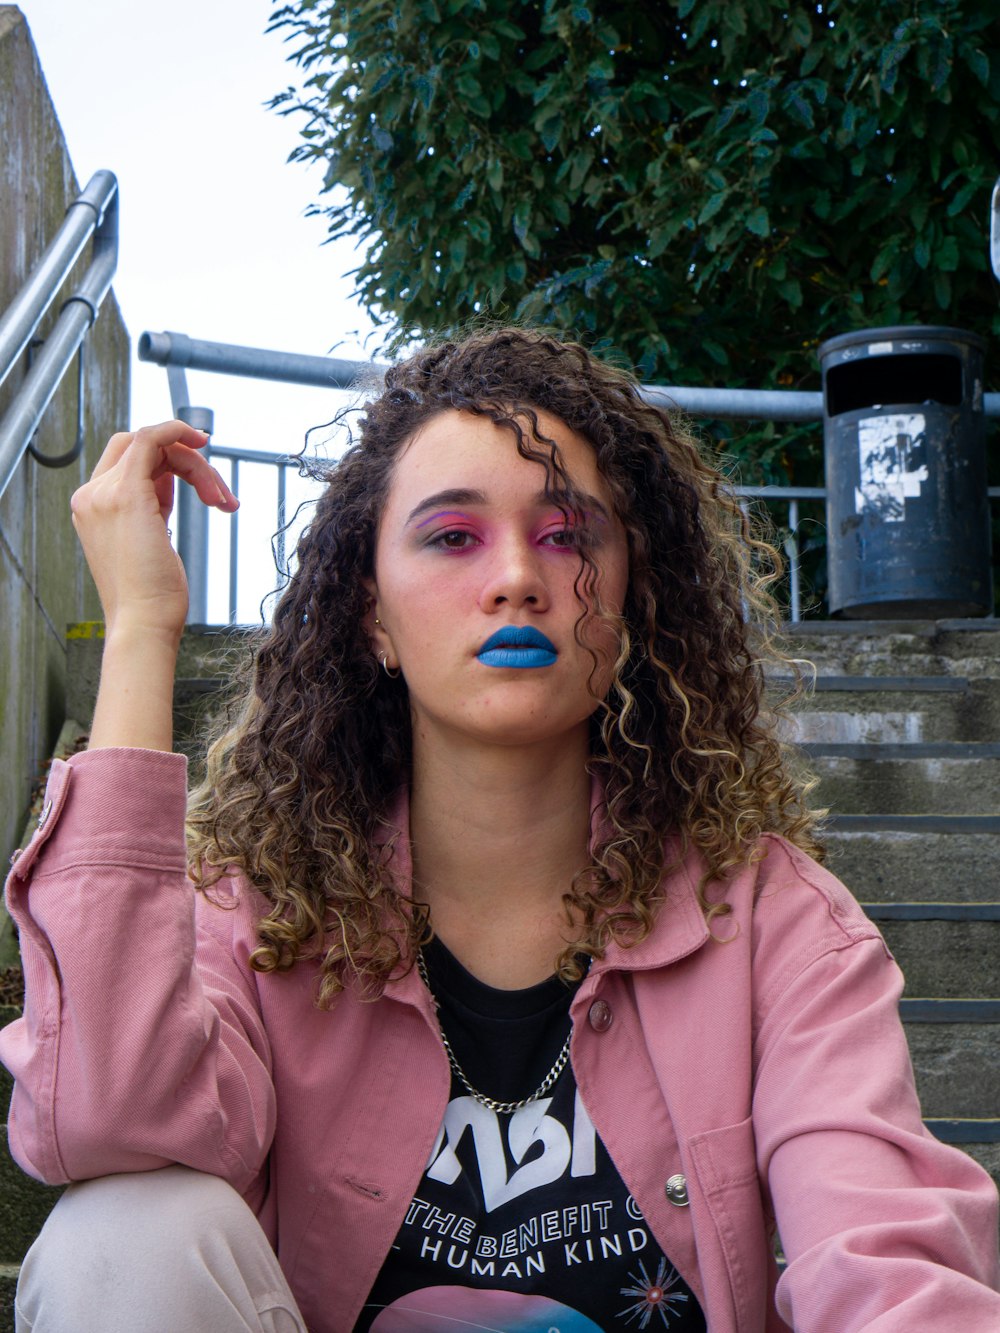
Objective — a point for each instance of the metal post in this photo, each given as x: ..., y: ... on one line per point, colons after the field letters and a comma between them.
x: 192, y: 524
x: 234, y: 543
x: 279, y: 552
x: 792, y: 549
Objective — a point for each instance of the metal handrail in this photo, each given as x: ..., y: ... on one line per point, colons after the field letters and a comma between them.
x: 178, y: 350
x: 737, y: 404
x: 324, y: 372
x: 93, y: 213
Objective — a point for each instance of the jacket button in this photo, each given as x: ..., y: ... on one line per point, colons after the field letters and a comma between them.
x: 677, y: 1191
x: 600, y: 1016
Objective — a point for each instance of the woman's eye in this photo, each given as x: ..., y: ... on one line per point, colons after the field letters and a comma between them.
x: 455, y: 539
x: 570, y: 539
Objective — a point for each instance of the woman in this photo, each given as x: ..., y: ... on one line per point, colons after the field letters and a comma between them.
x: 513, y: 998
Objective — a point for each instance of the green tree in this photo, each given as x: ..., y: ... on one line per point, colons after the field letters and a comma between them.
x: 708, y: 187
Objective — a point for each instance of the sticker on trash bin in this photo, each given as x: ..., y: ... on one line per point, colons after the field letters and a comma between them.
x: 891, y: 451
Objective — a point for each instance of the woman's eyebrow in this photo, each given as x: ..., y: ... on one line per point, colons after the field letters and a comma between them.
x: 462, y: 496
x: 446, y: 500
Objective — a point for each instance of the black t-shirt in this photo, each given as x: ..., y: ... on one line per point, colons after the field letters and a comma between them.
x: 522, y: 1222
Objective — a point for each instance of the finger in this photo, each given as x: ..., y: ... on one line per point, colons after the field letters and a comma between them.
x: 171, y: 447
x: 113, y: 452
x: 197, y: 472
x: 146, y: 441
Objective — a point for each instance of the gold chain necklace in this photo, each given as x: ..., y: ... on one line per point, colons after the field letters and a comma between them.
x: 491, y: 1104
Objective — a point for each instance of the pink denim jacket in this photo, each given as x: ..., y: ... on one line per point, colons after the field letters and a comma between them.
x: 767, y: 1067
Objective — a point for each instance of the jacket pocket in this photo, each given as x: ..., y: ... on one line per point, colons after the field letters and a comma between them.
x: 725, y: 1166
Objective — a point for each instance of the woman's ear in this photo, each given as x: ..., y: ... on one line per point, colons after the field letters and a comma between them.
x: 378, y: 635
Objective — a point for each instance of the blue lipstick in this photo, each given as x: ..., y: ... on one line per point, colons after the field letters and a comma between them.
x: 518, y: 646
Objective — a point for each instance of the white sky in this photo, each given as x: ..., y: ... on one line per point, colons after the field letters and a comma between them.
x: 214, y: 241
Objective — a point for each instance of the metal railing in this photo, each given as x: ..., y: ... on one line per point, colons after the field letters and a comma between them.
x: 178, y: 352
x: 93, y: 213
x: 282, y: 463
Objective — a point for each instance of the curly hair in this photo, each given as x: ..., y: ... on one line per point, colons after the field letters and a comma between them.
x: 298, y: 788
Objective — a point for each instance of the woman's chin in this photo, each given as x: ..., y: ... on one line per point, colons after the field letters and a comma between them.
x: 509, y: 724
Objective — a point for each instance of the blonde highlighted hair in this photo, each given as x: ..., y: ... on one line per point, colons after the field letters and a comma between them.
x: 298, y: 787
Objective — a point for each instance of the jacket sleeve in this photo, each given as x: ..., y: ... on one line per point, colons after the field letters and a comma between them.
x: 140, y: 1045
x: 884, y: 1227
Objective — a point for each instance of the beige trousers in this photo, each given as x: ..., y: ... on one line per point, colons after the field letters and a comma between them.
x: 170, y: 1251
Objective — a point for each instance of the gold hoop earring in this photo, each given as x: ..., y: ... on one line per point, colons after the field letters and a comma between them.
x: 392, y: 672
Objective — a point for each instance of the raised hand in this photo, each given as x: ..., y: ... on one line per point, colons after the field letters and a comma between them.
x: 121, y: 514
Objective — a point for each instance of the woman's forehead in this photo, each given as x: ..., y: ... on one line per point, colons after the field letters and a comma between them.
x: 456, y: 442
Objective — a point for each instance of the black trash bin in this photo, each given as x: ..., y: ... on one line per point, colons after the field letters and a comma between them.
x: 908, y: 523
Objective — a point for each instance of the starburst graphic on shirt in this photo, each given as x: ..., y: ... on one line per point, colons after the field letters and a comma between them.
x: 653, y: 1297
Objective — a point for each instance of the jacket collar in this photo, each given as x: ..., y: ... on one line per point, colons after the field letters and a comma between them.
x: 679, y: 928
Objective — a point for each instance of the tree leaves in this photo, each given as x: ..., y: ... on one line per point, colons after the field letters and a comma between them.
x: 758, y: 222
x: 709, y: 187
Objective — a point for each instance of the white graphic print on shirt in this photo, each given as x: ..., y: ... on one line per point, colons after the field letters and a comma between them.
x: 526, y: 1127
x: 521, y: 1223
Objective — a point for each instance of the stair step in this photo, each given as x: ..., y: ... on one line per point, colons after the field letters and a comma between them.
x: 930, y: 1009
x: 932, y: 911
x: 921, y: 647
x: 956, y: 1067
x: 842, y: 715
x: 965, y: 1131
x: 877, y: 684
x: 895, y: 719
x: 947, y: 959
x: 900, y: 864
x: 882, y: 751
x: 890, y: 786
x: 902, y: 823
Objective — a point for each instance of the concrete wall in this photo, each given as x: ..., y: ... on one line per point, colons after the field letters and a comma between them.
x: 43, y: 580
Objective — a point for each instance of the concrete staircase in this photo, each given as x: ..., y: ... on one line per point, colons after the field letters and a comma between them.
x: 903, y: 727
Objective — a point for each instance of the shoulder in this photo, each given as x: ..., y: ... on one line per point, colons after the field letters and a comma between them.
x: 787, y: 885
x: 785, y: 912
x: 803, y: 921
x: 779, y: 888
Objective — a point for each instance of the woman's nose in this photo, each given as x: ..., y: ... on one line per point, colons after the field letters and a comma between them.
x: 515, y: 578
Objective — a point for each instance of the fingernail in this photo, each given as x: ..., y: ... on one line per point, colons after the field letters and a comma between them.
x: 224, y: 499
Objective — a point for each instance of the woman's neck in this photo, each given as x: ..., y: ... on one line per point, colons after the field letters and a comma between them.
x: 498, y: 834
